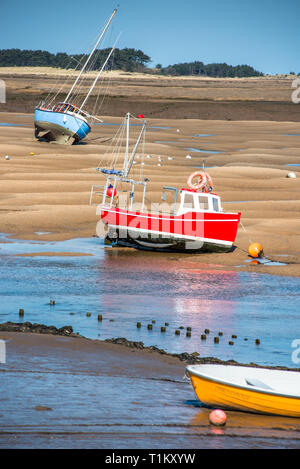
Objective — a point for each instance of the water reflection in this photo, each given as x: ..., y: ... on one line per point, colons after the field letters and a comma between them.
x: 127, y: 286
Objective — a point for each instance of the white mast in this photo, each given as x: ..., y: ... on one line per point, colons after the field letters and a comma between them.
x: 97, y: 78
x: 129, y: 164
x: 88, y: 59
x: 127, y: 144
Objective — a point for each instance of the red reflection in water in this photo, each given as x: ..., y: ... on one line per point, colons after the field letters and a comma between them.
x: 194, y: 290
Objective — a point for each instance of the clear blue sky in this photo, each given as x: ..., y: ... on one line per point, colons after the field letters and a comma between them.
x: 261, y: 33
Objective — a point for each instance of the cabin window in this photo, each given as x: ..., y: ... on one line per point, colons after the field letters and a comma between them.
x: 189, y: 201
x: 203, y: 202
x: 216, y: 204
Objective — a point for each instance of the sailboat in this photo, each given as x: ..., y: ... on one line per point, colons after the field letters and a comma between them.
x: 65, y: 122
x: 194, y: 222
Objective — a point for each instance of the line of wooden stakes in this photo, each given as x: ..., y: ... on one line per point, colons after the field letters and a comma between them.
x: 163, y: 329
x: 189, y: 333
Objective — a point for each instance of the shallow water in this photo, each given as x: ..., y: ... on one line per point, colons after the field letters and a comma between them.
x: 130, y: 286
x: 6, y: 124
x: 203, y: 151
x: 204, y: 135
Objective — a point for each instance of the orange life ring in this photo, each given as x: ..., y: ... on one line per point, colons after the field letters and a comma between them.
x: 202, y: 181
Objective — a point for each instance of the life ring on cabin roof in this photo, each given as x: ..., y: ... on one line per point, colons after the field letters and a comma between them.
x: 204, y: 181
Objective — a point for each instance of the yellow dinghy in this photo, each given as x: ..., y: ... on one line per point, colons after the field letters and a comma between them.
x: 260, y: 390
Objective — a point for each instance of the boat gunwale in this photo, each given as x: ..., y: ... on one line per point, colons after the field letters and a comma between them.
x: 240, y: 386
x: 83, y: 119
x: 107, y: 208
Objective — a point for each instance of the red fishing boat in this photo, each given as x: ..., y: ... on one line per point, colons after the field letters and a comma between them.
x: 195, y: 221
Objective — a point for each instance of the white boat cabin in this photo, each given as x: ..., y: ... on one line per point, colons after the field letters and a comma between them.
x: 191, y: 201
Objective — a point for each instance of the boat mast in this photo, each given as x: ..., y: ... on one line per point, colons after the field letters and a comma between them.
x: 129, y: 164
x: 88, y: 59
x: 97, y: 78
x: 127, y: 144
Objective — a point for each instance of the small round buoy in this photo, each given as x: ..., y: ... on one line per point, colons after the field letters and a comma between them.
x: 110, y: 193
x: 218, y: 418
x: 255, y: 250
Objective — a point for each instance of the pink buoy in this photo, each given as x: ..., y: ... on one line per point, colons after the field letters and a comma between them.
x: 218, y: 417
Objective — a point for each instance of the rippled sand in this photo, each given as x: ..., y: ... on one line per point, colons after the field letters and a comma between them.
x: 49, y: 191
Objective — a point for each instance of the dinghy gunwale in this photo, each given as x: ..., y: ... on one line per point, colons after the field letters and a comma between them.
x: 191, y: 370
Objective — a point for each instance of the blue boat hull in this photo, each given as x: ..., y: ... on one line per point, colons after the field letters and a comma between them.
x: 60, y: 127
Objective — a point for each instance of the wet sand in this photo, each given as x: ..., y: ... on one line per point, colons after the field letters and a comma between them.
x: 264, y: 98
x: 65, y: 392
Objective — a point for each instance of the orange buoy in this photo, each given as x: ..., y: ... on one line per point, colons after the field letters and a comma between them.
x: 218, y: 417
x: 255, y: 250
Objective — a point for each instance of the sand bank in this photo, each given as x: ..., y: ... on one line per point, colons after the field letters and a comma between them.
x: 80, y: 393
x: 46, y: 188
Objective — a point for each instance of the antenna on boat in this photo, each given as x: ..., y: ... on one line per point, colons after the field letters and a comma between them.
x: 89, y: 57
